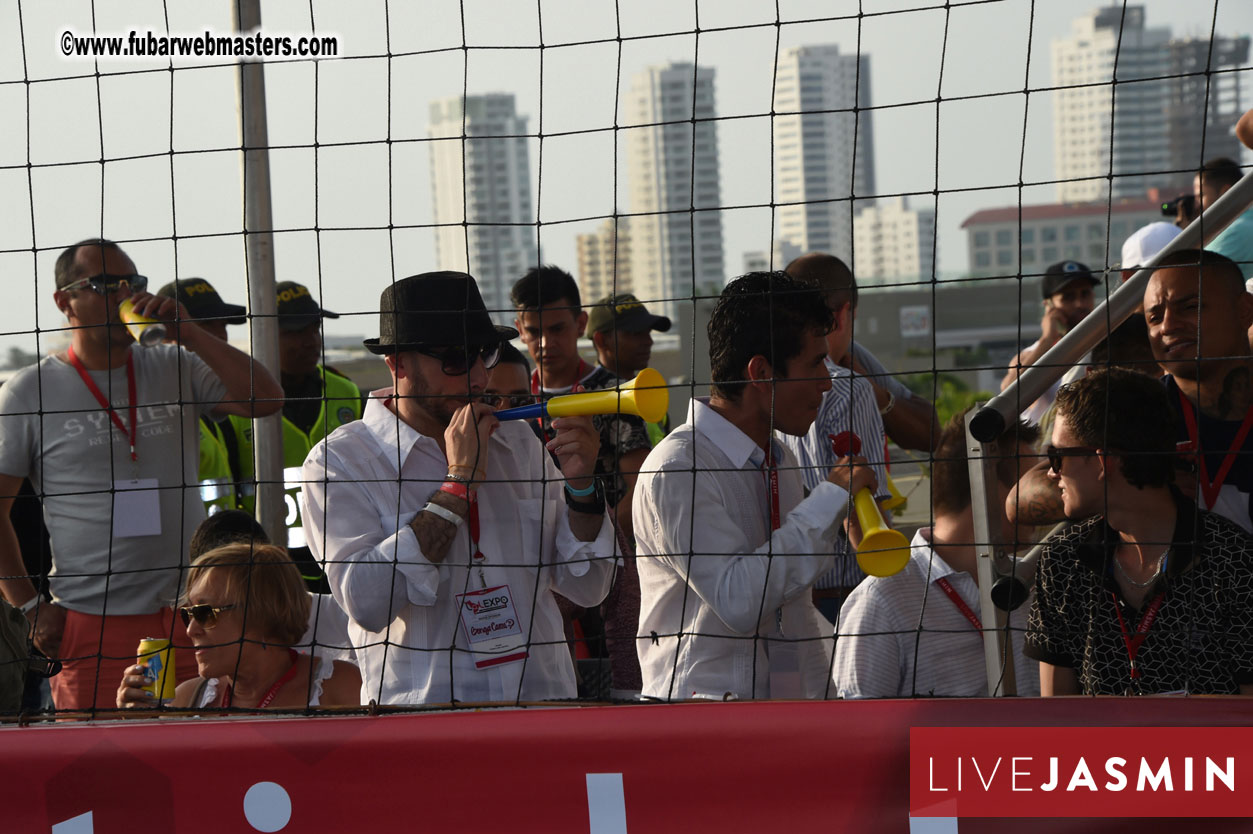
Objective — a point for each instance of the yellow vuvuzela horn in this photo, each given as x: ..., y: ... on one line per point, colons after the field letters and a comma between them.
x: 895, y: 500
x: 883, y: 551
x: 645, y: 396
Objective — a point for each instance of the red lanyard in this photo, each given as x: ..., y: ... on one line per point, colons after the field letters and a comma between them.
x: 1134, y: 641
x: 948, y: 589
x: 104, y: 403
x: 536, y: 390
x: 478, y: 557
x: 771, y: 475
x: 580, y: 375
x: 278, y: 684
x: 1210, y: 489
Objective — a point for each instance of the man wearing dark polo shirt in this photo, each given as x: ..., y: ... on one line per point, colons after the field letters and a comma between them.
x: 1148, y: 595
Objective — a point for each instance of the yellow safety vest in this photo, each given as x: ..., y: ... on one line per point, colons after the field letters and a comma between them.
x: 217, y: 488
x: 341, y: 403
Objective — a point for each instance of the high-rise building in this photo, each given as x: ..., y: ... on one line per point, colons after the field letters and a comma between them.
x: 782, y: 253
x: 1195, y: 94
x: 1147, y: 129
x: 604, y: 258
x: 481, y: 184
x: 672, y: 167
x: 823, y: 146
x: 893, y: 243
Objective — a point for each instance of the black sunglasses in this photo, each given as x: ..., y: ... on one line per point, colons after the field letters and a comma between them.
x: 508, y: 400
x: 205, y: 615
x: 1056, y: 454
x: 104, y: 283
x: 457, y: 360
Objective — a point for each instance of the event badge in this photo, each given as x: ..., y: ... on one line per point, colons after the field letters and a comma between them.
x: 136, y: 508
x: 491, y: 625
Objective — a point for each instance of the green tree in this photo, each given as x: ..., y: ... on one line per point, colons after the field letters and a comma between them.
x: 947, y: 391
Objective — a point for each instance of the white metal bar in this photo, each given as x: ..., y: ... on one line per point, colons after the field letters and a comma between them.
x: 981, y: 463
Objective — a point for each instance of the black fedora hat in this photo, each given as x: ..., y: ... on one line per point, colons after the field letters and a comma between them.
x: 434, y: 309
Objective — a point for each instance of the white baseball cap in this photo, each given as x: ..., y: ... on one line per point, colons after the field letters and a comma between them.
x: 1146, y: 242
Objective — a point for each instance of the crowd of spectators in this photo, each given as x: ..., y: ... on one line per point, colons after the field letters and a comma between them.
x: 451, y: 556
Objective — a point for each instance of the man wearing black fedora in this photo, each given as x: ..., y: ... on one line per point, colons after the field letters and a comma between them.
x: 444, y: 531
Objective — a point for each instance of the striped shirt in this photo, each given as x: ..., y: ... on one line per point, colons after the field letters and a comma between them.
x: 849, y: 417
x: 900, y: 636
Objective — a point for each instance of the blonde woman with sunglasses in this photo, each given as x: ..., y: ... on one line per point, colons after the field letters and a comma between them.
x: 244, y: 608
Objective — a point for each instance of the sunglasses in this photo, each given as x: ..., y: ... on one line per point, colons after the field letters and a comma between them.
x: 103, y: 284
x: 1056, y: 454
x: 457, y: 360
x: 206, y: 616
x: 508, y: 400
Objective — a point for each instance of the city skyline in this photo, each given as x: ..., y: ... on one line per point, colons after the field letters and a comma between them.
x: 351, y: 173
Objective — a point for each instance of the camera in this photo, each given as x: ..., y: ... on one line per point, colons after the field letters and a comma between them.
x: 1186, y: 202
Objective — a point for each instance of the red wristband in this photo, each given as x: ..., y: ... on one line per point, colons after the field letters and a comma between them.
x: 462, y: 491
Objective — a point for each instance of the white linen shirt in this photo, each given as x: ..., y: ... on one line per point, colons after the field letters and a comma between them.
x: 716, y: 586
x: 363, y: 485
x: 901, y: 636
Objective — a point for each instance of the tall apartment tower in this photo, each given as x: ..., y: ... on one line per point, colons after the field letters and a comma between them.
x: 1156, y: 119
x: 823, y: 150
x: 604, y: 258
x: 893, y: 243
x: 1195, y: 96
x: 676, y: 248
x: 480, y: 176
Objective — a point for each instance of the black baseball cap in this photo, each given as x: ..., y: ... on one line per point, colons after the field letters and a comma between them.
x: 623, y: 312
x: 1057, y: 276
x: 203, y: 301
x: 297, y: 308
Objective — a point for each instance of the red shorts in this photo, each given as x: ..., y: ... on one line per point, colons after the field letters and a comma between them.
x: 95, y: 650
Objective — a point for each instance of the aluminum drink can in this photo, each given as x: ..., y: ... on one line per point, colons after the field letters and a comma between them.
x: 156, y: 655
x: 147, y: 332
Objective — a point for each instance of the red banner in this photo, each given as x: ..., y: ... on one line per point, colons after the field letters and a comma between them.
x: 701, y: 767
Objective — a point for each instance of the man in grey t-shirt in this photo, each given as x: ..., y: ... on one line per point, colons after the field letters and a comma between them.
x: 107, y: 433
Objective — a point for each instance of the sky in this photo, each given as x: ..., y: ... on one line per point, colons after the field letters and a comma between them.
x: 350, y: 169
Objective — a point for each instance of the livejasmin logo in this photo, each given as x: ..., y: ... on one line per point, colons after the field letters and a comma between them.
x: 1080, y: 772
x: 1024, y: 774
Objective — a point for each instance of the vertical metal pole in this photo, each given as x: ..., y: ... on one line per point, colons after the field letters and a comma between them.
x: 267, y: 432
x: 981, y: 460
